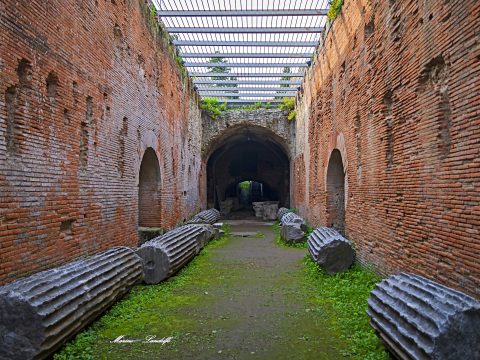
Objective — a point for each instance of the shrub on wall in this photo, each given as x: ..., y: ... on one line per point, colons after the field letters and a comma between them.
x: 288, y: 103
x: 213, y: 107
x: 335, y: 6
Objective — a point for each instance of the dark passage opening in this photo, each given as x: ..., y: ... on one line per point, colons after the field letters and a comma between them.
x: 249, y: 164
x: 336, y: 192
x: 149, y: 199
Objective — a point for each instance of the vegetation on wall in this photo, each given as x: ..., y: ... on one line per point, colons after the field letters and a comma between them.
x: 288, y: 104
x: 213, y: 107
x: 335, y: 7
x: 255, y: 106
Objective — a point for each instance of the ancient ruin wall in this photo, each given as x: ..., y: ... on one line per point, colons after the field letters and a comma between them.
x: 396, y: 90
x: 86, y: 88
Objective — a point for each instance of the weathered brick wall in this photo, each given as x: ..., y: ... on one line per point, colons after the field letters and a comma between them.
x: 85, y: 88
x: 397, y: 91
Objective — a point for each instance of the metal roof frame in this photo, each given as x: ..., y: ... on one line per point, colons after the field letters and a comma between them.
x: 230, y: 13
x: 244, y: 30
x: 246, y: 43
x: 253, y: 74
x: 248, y: 82
x: 220, y: 88
x: 238, y: 64
x: 267, y: 43
x: 224, y: 94
x: 248, y: 55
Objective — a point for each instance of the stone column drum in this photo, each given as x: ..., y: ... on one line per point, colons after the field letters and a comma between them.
x: 419, y: 319
x: 166, y: 254
x: 282, y: 211
x: 330, y: 250
x: 38, y: 314
x: 210, y: 216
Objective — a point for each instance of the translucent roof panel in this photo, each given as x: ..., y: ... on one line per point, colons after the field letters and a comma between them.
x: 245, y: 51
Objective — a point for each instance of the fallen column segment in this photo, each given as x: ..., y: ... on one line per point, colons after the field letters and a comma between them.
x: 210, y: 216
x: 330, y: 250
x: 292, y: 218
x: 420, y: 319
x: 293, y: 228
x: 38, y: 314
x: 282, y: 211
x: 166, y: 254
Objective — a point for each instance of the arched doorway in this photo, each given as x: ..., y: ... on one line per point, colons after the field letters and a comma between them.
x: 336, y: 192
x: 248, y: 164
x: 149, y: 207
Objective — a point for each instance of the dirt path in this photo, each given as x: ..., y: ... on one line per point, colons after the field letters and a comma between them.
x: 250, y: 303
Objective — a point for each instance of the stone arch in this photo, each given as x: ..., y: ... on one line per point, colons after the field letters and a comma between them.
x: 251, y: 153
x: 336, y: 192
x: 149, y: 190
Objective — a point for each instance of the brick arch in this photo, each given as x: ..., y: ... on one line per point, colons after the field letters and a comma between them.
x: 148, y: 140
x: 149, y: 190
x: 248, y: 153
x: 335, y: 187
x: 337, y: 142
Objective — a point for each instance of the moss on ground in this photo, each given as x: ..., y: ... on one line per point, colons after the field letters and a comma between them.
x: 137, y: 315
x: 300, y: 311
x: 344, y: 296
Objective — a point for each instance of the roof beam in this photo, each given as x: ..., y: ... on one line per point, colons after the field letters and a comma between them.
x: 221, y: 88
x: 249, y: 65
x: 208, y: 13
x: 246, y: 43
x: 237, y: 75
x: 248, y: 82
x: 209, y: 94
x: 247, y: 101
x: 245, y: 30
x: 248, y: 55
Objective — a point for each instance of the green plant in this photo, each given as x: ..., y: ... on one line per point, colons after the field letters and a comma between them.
x: 292, y: 114
x: 345, y: 294
x: 245, y: 185
x: 335, y: 7
x: 288, y: 104
x: 213, y: 107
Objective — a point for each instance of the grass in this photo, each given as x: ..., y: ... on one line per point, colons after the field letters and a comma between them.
x: 339, y: 302
x: 345, y: 296
x: 129, y: 315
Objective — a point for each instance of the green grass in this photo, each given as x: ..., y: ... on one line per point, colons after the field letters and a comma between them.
x: 345, y: 296
x: 339, y: 300
x: 129, y: 315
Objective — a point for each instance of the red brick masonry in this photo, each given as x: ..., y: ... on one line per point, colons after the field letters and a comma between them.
x: 85, y: 88
x: 397, y: 90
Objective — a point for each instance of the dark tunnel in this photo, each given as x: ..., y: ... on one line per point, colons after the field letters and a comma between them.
x: 248, y: 157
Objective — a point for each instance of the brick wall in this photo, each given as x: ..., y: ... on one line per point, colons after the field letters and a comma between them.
x: 86, y: 87
x: 396, y: 90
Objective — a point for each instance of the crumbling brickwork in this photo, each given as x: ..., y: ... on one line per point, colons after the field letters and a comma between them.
x: 86, y: 87
x: 396, y: 89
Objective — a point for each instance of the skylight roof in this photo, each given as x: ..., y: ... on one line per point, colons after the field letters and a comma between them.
x: 245, y: 51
